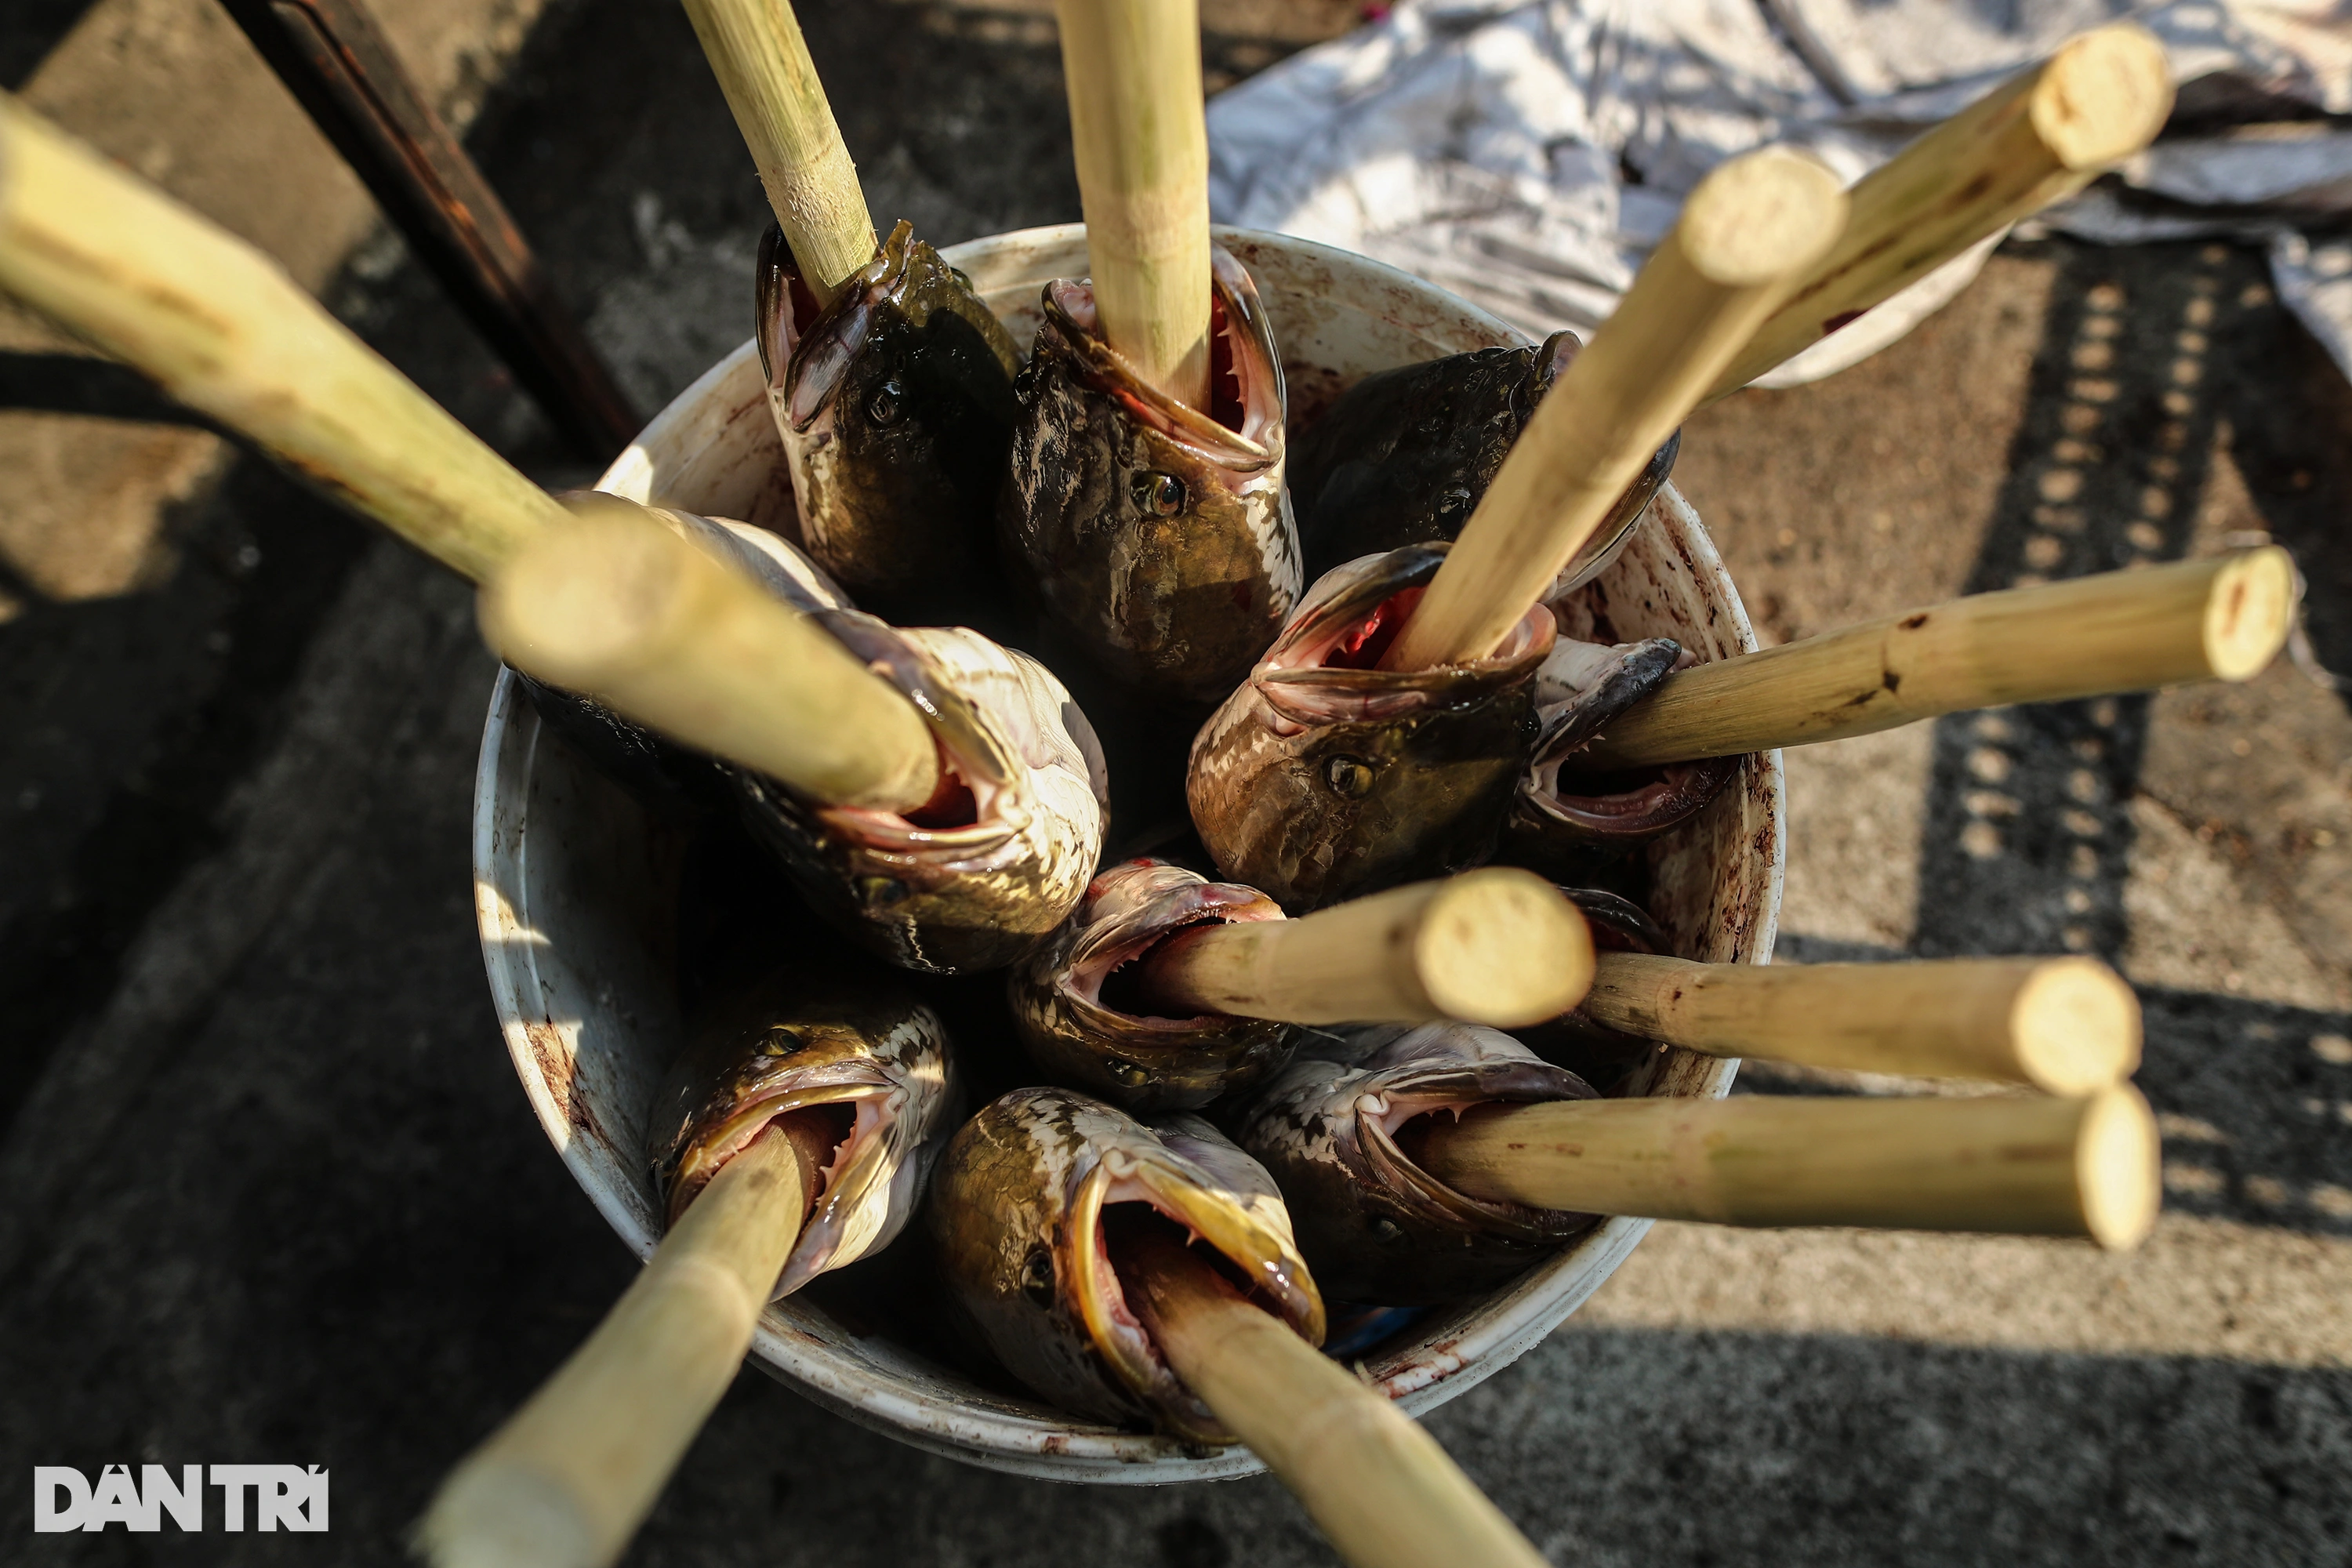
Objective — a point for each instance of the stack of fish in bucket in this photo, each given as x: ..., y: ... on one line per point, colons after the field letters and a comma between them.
x: 1367, y: 1014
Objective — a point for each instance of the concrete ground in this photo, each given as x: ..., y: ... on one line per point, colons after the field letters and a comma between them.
x: 270, y: 1191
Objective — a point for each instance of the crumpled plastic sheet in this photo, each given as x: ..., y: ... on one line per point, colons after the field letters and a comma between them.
x: 1528, y: 155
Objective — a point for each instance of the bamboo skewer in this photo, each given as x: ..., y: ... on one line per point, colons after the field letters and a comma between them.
x: 762, y: 64
x: 223, y: 329
x: 2219, y: 619
x: 569, y: 1478
x: 1379, y: 1486
x: 1133, y: 72
x: 2016, y: 1166
x: 2037, y: 139
x: 616, y: 605
x: 1750, y: 231
x: 1497, y: 946
x: 2066, y: 1025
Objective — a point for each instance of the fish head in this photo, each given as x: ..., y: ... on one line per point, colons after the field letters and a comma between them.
x: 1337, y: 1128
x: 1027, y: 1211
x: 857, y: 1051
x: 895, y: 405
x: 1566, y: 818
x: 1325, y: 777
x: 999, y: 857
x: 1406, y: 454
x: 1157, y: 536
x: 1086, y: 1023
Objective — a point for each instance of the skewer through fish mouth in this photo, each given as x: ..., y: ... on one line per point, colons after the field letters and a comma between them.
x: 873, y: 1066
x: 1157, y: 536
x: 1033, y: 1203
x: 1086, y: 1023
x: 1565, y: 818
x: 988, y: 867
x: 895, y: 406
x: 1337, y: 1128
x: 1325, y: 776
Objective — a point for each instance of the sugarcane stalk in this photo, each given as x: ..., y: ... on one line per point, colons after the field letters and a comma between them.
x: 762, y: 64
x: 2019, y: 1166
x: 2037, y: 139
x: 1748, y: 234
x: 1138, y: 126
x: 1497, y: 946
x: 2065, y: 1026
x: 2224, y: 618
x: 617, y: 606
x: 569, y: 1476
x: 223, y: 329
x: 1379, y: 1486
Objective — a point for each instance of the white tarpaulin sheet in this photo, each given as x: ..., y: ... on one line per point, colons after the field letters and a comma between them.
x: 1528, y: 155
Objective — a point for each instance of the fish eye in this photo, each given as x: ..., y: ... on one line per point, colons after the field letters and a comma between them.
x: 1037, y: 1276
x: 1157, y: 494
x: 883, y: 407
x: 1350, y: 778
x: 781, y: 1043
x: 880, y: 892
x: 1386, y: 1230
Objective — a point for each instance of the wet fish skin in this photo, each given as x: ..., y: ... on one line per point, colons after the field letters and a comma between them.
x: 954, y: 899
x: 1141, y: 1063
x: 1376, y: 1228
x: 1565, y: 820
x: 1317, y: 783
x: 1405, y: 456
x: 895, y: 405
x: 800, y: 1037
x: 1157, y: 540
x: 1015, y: 1217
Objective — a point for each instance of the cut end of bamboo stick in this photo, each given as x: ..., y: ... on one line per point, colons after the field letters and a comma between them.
x: 2103, y: 96
x: 617, y: 606
x: 2076, y: 1026
x: 2118, y: 1160
x: 2250, y: 613
x: 1503, y: 947
x: 1762, y: 217
x: 501, y: 1514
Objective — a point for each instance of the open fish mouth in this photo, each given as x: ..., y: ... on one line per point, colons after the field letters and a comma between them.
x: 876, y: 1073
x: 1565, y: 818
x: 1325, y: 776
x: 993, y: 863
x: 1122, y: 1192
x: 1119, y: 1045
x: 1338, y: 1127
x: 1157, y: 536
x: 1324, y: 668
x: 1031, y: 1208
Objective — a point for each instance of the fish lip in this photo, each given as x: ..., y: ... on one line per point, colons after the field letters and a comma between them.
x: 1677, y: 792
x: 1307, y: 693
x: 1394, y: 1098
x: 1102, y: 950
x: 1069, y: 310
x: 882, y: 1104
x: 820, y: 357
x: 1665, y: 798
x: 1278, y: 1274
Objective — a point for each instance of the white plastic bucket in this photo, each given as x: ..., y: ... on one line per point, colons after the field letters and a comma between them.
x: 572, y: 881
